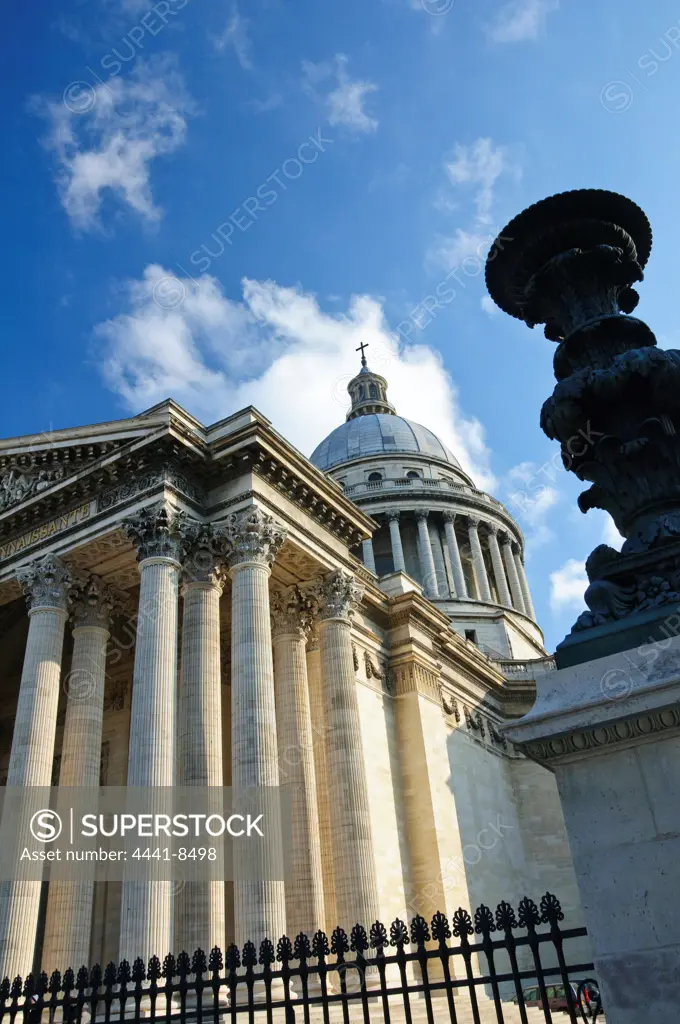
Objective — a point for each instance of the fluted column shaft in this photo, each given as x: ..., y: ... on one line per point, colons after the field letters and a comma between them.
x: 427, y: 568
x: 478, y: 563
x: 69, y: 904
x: 498, y: 570
x: 199, y: 906
x: 319, y: 728
x: 147, y: 906
x: 511, y: 566
x: 454, y: 556
x: 524, y: 584
x: 259, y: 906
x: 369, y: 557
x: 356, y: 889
x: 395, y: 539
x: 304, y: 885
x: 32, y: 753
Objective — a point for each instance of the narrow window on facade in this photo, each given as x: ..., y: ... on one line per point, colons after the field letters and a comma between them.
x: 471, y: 635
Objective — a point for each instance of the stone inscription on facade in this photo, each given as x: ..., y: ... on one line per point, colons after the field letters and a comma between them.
x: 77, y: 515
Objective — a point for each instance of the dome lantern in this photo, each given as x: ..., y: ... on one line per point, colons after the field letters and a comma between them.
x: 368, y: 391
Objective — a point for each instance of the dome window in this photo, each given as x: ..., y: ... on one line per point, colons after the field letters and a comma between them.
x: 373, y: 391
x: 412, y: 475
x: 374, y: 477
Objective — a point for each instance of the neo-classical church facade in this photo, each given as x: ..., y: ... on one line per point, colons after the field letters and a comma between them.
x: 192, y: 605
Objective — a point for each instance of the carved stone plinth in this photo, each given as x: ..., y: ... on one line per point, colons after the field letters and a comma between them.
x: 610, y: 731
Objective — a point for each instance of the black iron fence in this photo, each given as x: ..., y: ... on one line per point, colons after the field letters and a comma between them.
x: 465, y: 970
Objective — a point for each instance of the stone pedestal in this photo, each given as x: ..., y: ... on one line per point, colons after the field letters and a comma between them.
x: 610, y: 730
x: 46, y: 583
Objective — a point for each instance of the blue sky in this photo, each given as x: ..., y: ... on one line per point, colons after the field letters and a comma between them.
x: 218, y: 202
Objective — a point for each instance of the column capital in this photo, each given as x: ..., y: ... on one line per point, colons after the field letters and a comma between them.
x: 291, y: 611
x: 92, y: 601
x: 206, y: 552
x: 392, y: 516
x: 158, y: 531
x: 449, y: 516
x: 473, y: 522
x: 492, y: 528
x: 253, y: 536
x: 46, y: 583
x: 422, y: 514
x: 336, y: 595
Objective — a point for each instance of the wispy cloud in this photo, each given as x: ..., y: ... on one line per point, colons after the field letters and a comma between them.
x: 184, y: 338
x: 237, y: 39
x: 345, y: 102
x: 107, y: 144
x: 475, y: 168
x: 568, y: 585
x: 520, y: 20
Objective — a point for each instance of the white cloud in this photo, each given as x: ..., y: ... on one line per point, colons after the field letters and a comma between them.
x: 568, y: 585
x: 520, y: 20
x: 345, y: 103
x: 488, y: 305
x: 104, y: 139
x: 235, y: 37
x: 275, y: 349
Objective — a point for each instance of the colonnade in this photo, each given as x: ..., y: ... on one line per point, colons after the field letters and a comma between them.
x: 449, y: 581
x: 278, y: 682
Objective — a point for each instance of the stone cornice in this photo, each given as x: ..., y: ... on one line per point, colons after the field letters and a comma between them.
x: 602, y: 738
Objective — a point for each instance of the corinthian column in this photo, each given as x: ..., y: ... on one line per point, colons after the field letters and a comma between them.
x: 454, y: 555
x: 395, y: 539
x: 46, y: 583
x: 426, y: 557
x: 255, y: 538
x: 369, y: 557
x: 356, y: 888
x: 199, y: 906
x: 319, y: 730
x: 524, y: 584
x: 291, y: 621
x: 146, y: 907
x: 498, y: 570
x: 511, y: 566
x: 478, y: 563
x: 69, y: 904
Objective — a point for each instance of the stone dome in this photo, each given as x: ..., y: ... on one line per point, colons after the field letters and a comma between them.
x: 378, y: 434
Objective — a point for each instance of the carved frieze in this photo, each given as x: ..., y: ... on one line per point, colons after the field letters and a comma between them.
x: 16, y: 485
